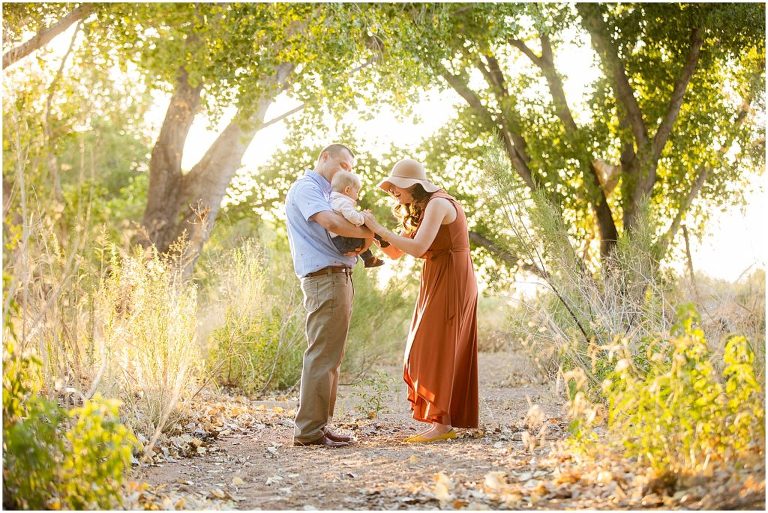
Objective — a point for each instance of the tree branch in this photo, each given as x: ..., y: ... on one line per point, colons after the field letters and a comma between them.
x: 520, y: 45
x: 597, y: 194
x: 505, y: 256
x: 702, y: 174
x: 676, y: 100
x: 546, y: 64
x: 45, y: 36
x: 592, y: 18
x: 51, y: 157
x: 461, y: 87
x: 495, y: 78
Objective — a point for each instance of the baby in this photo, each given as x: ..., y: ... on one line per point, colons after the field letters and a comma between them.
x: 346, y: 187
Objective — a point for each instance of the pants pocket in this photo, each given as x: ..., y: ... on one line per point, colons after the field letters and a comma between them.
x: 318, y: 292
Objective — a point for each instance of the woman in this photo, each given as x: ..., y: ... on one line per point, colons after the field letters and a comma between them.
x: 440, y: 364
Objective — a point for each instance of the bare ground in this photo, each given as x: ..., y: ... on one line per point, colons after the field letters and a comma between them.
x: 513, y: 461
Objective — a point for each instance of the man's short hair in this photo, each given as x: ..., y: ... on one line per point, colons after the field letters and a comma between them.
x: 334, y: 149
x: 343, y: 178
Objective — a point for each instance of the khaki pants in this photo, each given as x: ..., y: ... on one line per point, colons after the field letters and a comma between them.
x: 328, y: 301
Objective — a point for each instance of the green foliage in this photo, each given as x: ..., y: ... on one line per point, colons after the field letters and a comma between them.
x: 516, y: 99
x: 233, y: 50
x: 373, y: 393
x: 259, y: 341
x: 678, y: 414
x: 30, y: 440
x: 54, y: 458
x: 746, y: 415
x: 99, y: 455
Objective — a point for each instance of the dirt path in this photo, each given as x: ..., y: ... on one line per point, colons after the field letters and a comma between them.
x: 498, y: 466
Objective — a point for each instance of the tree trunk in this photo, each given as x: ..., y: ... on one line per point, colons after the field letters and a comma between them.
x: 204, y: 187
x: 185, y: 206
x: 165, y: 176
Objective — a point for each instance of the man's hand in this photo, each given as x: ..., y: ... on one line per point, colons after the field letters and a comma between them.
x: 336, y: 223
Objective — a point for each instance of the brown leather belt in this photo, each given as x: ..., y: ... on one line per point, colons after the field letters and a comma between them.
x: 330, y: 269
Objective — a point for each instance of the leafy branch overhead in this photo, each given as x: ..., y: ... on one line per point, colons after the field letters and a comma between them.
x: 640, y: 123
x: 665, y: 118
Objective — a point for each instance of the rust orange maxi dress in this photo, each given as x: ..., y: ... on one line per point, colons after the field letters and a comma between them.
x: 440, y: 364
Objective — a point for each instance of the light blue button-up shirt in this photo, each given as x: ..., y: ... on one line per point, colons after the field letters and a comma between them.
x: 311, y: 246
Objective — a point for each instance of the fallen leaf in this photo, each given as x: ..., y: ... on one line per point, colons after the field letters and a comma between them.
x: 237, y: 481
x: 495, y: 480
x: 604, y: 477
x: 217, y: 493
x: 652, y: 500
x: 459, y: 504
x: 443, y: 487
x: 511, y: 500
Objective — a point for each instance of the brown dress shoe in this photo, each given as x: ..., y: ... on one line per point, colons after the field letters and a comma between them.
x: 324, y: 441
x: 337, y: 437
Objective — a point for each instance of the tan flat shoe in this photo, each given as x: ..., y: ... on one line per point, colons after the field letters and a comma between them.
x: 421, y: 439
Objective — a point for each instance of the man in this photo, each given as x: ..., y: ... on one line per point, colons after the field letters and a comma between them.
x: 326, y: 280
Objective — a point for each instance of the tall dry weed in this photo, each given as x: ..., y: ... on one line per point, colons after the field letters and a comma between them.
x: 145, y: 346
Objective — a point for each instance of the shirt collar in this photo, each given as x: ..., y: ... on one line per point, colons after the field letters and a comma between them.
x: 324, y: 184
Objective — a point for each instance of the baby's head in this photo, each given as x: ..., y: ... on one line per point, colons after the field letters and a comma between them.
x: 346, y: 183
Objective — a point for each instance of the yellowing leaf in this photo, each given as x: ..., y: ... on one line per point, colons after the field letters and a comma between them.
x: 443, y: 487
x: 495, y: 480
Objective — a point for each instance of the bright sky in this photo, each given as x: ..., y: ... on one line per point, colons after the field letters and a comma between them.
x: 732, y: 244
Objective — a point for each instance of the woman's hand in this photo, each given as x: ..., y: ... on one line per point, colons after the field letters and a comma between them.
x: 372, y: 223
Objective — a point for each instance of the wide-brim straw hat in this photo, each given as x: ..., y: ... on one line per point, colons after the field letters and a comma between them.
x: 406, y: 173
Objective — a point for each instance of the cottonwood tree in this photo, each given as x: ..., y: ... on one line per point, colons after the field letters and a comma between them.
x: 669, y: 119
x: 215, y: 58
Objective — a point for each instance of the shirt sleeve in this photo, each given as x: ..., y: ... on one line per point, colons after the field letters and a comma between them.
x: 352, y: 215
x: 309, y: 199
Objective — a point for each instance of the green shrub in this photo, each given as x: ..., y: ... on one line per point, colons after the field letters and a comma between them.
x: 255, y: 320
x: 98, y: 456
x: 373, y: 393
x: 31, y: 444
x: 54, y: 458
x: 679, y: 414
